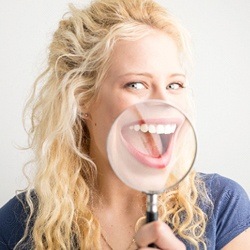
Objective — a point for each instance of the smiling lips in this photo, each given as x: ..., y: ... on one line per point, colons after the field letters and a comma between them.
x: 151, y: 142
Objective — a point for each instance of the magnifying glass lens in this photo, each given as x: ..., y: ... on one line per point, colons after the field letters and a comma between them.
x: 151, y: 146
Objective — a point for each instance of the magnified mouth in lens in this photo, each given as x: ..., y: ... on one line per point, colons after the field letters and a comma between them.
x: 151, y: 141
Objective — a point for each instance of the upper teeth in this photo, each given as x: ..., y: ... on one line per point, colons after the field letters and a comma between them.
x: 152, y: 128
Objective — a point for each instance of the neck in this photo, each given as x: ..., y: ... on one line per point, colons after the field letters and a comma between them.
x: 118, y: 209
x: 112, y: 192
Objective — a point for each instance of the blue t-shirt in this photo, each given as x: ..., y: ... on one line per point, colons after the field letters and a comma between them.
x: 229, y: 218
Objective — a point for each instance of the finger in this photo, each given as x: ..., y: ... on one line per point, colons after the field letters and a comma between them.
x: 159, y: 233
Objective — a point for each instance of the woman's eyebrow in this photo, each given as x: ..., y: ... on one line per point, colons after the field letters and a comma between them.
x: 147, y: 74
x: 178, y: 74
x: 136, y: 73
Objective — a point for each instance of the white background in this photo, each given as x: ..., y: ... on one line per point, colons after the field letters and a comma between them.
x: 221, y: 82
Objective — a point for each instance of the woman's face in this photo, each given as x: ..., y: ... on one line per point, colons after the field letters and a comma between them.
x: 148, y: 68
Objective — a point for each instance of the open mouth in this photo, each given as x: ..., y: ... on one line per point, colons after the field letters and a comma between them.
x: 151, y: 141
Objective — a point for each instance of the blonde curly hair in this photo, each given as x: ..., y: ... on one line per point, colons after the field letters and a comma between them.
x: 64, y: 181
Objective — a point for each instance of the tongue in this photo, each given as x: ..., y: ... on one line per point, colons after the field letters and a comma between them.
x: 151, y: 141
x: 146, y: 143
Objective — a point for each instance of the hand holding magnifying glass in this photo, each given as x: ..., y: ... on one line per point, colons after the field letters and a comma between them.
x: 151, y: 148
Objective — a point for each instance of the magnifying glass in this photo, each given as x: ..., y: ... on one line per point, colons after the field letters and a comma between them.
x: 151, y: 147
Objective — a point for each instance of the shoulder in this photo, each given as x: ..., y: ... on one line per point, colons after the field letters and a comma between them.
x: 231, y: 208
x: 13, y: 217
x: 222, y: 190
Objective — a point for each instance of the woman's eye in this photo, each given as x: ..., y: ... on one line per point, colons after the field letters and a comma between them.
x: 135, y: 85
x: 175, y: 86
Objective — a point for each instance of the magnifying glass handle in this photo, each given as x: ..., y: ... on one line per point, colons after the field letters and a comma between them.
x: 152, y: 211
x: 151, y: 216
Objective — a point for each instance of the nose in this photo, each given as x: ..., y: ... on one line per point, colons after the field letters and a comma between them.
x: 159, y: 93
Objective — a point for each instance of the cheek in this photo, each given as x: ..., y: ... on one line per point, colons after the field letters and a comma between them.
x: 103, y: 116
x: 112, y: 107
x: 104, y: 113
x: 184, y: 102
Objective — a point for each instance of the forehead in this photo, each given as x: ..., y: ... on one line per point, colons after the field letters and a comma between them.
x: 155, y: 51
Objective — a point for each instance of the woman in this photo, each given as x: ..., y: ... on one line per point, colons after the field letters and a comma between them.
x: 102, y: 60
